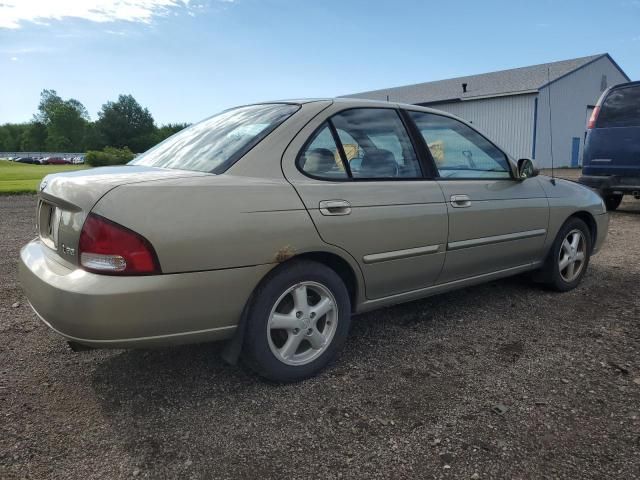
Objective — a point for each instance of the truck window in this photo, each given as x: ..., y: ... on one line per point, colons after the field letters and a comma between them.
x: 621, y: 108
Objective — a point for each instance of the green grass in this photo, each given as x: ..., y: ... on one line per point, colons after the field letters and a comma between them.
x: 25, y: 178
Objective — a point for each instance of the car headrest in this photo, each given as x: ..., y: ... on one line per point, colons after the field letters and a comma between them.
x: 326, y: 158
x: 377, y: 158
x: 380, y: 162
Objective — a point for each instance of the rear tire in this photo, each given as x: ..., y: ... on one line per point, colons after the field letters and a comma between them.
x: 568, y: 258
x: 298, y: 321
x: 612, y: 202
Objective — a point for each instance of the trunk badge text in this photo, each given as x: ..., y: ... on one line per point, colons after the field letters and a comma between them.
x: 68, y: 250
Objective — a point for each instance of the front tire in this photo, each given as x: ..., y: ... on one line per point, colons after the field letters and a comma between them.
x: 568, y: 259
x: 612, y: 202
x: 298, y: 322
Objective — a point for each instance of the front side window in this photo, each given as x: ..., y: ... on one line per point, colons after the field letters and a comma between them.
x: 458, y: 150
x: 621, y: 108
x: 214, y: 144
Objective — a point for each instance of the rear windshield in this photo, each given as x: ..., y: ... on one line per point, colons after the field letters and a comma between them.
x: 214, y: 144
x: 621, y: 108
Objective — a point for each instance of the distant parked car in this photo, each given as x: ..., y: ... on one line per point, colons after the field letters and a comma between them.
x: 611, y: 160
x: 278, y: 221
x: 29, y: 160
x: 57, y: 161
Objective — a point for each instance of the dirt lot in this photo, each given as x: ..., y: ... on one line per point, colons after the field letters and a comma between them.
x: 411, y: 396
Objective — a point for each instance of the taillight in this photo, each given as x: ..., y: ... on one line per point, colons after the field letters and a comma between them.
x: 108, y: 248
x: 592, y: 120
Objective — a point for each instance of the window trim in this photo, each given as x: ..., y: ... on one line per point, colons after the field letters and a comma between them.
x: 340, y: 147
x: 350, y: 178
x: 434, y: 164
x: 428, y: 165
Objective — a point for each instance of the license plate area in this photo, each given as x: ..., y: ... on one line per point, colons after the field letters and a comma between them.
x: 48, y: 224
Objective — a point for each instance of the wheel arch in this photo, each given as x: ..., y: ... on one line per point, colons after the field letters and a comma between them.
x: 587, y: 218
x: 343, y: 268
x: 339, y: 265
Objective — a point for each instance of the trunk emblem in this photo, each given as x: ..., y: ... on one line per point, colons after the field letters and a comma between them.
x: 68, y: 250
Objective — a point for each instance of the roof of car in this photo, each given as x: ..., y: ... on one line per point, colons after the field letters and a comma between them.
x: 355, y: 102
x: 626, y: 84
x: 363, y: 102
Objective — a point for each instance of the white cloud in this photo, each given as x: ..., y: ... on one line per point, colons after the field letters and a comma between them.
x: 14, y: 59
x: 14, y: 12
x: 27, y: 50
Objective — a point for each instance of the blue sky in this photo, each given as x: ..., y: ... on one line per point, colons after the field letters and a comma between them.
x: 188, y: 60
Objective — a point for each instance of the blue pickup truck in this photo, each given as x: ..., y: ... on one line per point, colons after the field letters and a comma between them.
x: 611, y: 160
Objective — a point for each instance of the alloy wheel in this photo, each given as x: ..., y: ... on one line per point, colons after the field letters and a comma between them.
x: 302, y: 323
x: 571, y: 258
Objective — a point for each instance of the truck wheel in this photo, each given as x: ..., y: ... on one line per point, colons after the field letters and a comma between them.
x: 612, y: 202
x: 298, y: 322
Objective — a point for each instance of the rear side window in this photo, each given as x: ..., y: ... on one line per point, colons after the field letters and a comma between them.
x: 372, y: 144
x: 621, y: 108
x: 376, y: 144
x: 321, y: 158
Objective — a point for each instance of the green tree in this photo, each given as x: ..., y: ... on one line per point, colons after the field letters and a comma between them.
x: 11, y: 136
x: 61, y: 124
x: 92, y: 138
x: 165, y: 131
x: 65, y: 121
x: 34, y: 137
x: 109, y: 156
x: 49, y: 99
x: 125, y: 123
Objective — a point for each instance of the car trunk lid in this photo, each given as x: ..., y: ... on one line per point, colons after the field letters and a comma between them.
x: 65, y: 200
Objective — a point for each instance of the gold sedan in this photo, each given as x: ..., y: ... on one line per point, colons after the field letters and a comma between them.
x: 269, y: 225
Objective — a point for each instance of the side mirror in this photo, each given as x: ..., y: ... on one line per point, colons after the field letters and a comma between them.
x: 526, y: 169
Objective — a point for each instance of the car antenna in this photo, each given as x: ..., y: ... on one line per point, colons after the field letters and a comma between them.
x: 553, y: 176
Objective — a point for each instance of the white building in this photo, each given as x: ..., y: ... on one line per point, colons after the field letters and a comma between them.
x: 525, y: 110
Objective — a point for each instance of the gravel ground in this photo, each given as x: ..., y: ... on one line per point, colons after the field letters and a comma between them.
x: 411, y: 396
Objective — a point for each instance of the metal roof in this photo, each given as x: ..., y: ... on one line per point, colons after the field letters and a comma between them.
x: 505, y: 82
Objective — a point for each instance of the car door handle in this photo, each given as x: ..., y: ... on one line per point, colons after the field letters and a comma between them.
x: 460, y: 201
x: 335, y: 207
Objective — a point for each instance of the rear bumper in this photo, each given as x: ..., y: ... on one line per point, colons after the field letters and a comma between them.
x: 612, y: 184
x: 122, y: 312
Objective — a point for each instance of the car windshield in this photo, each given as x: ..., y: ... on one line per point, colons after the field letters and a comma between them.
x: 214, y: 144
